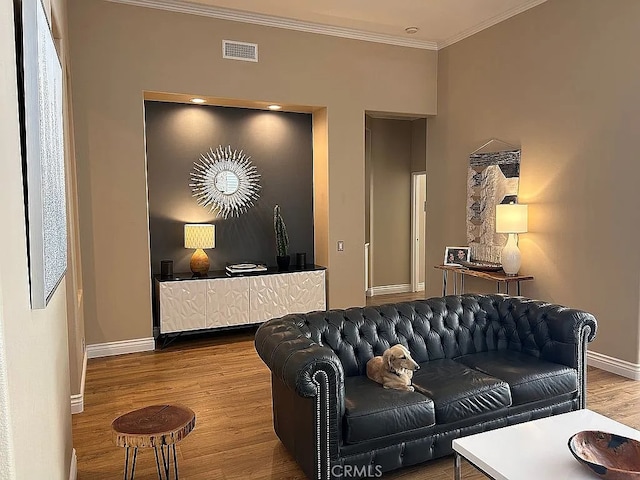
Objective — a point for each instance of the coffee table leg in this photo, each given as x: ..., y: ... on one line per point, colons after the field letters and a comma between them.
x: 457, y: 467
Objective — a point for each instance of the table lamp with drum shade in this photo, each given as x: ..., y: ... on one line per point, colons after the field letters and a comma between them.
x: 512, y: 219
x: 199, y: 236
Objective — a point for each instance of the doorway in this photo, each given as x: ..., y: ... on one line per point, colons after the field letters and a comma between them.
x: 395, y: 149
x: 418, y: 232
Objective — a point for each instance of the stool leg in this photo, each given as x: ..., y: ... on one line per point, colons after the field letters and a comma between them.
x: 126, y: 463
x: 155, y: 449
x: 175, y: 460
x: 166, y: 462
x: 133, y: 467
x: 133, y: 463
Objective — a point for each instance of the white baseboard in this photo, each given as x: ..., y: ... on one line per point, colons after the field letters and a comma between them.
x: 120, y: 348
x: 613, y: 365
x: 73, y: 471
x: 77, y: 399
x: 388, y: 289
x: 421, y: 286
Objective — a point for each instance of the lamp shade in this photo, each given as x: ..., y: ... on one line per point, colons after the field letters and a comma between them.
x: 511, y: 218
x: 199, y: 235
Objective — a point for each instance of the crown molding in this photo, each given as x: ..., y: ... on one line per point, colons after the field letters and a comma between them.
x: 489, y: 23
x: 277, y: 22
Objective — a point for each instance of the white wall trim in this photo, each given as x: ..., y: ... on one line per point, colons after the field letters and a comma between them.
x: 120, y: 348
x: 77, y: 403
x: 389, y: 289
x: 73, y: 471
x: 421, y: 286
x: 415, y: 268
x: 180, y: 6
x: 416, y: 212
x: 77, y: 399
x: 613, y: 365
x: 490, y: 22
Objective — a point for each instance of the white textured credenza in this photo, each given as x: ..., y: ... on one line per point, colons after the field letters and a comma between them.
x: 184, y: 303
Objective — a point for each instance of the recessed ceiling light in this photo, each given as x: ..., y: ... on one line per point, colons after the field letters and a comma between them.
x: 411, y: 30
x: 198, y: 100
x: 274, y: 107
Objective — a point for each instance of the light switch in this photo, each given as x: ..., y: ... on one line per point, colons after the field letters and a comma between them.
x: 340, y: 246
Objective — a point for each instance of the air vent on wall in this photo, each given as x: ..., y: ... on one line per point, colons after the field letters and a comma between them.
x: 247, y: 52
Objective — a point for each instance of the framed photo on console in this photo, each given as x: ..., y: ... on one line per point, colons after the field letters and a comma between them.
x: 454, y: 255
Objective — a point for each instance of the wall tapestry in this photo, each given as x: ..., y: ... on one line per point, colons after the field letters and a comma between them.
x: 41, y: 118
x: 492, y: 179
x: 226, y: 181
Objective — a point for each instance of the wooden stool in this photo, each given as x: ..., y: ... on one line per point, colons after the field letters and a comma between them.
x: 155, y: 426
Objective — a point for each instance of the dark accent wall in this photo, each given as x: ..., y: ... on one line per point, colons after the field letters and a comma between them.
x: 280, y: 146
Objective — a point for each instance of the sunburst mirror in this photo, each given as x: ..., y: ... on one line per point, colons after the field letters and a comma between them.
x: 226, y: 181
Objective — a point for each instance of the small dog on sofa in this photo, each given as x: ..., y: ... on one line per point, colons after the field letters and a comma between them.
x: 394, y: 369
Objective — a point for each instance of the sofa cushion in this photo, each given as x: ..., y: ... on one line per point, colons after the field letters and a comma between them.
x: 372, y: 411
x: 530, y: 378
x: 458, y: 391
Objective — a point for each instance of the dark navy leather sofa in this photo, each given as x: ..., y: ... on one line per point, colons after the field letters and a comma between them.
x: 486, y: 361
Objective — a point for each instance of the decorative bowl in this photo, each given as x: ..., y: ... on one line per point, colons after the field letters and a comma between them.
x: 611, y: 456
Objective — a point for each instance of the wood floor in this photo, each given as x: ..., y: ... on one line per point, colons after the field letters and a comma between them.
x: 224, y: 381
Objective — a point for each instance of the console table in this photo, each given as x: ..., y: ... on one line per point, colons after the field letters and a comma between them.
x: 184, y: 303
x: 499, y: 277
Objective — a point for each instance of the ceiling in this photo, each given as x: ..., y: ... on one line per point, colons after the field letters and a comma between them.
x: 440, y: 22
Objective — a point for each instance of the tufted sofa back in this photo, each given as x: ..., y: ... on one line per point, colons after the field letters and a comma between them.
x: 437, y: 328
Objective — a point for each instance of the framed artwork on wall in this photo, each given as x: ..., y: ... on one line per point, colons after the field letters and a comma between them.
x: 493, y: 178
x: 454, y: 255
x: 40, y: 96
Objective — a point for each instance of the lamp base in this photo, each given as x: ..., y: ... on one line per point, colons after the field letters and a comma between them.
x: 199, y: 263
x: 510, y: 258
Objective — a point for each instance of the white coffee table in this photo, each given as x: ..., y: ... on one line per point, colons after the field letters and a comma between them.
x: 534, y: 450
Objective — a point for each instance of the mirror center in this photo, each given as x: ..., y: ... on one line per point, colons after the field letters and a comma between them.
x: 227, y: 182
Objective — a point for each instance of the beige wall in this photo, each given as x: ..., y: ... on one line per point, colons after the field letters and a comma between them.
x: 391, y: 201
x: 321, y: 187
x: 419, y: 145
x: 562, y: 81
x: 120, y: 51
x: 73, y: 280
x: 34, y: 383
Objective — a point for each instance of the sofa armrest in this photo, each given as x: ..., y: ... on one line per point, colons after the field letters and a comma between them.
x: 567, y: 324
x: 562, y: 333
x: 569, y: 331
x: 296, y: 359
x: 307, y: 369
